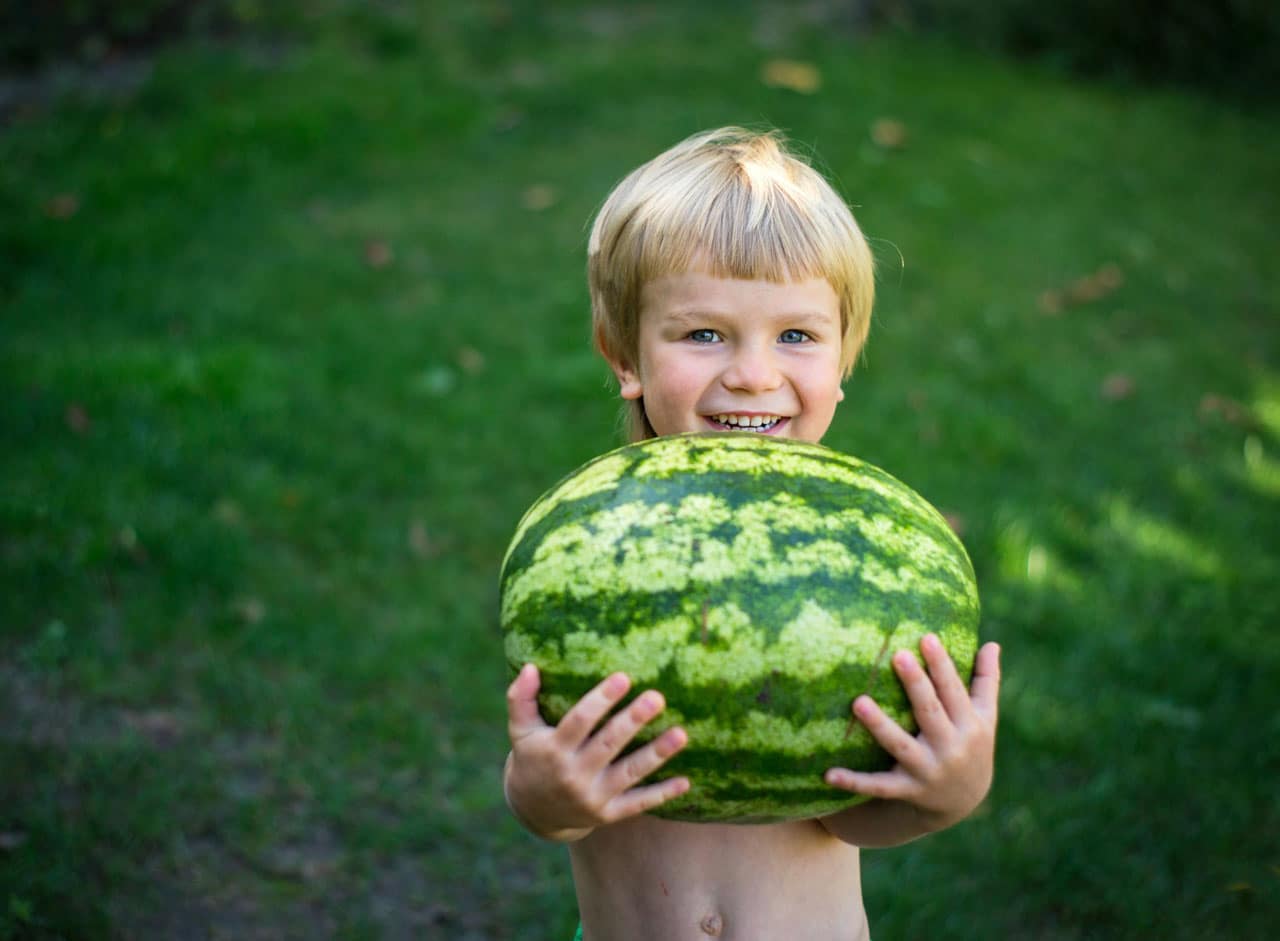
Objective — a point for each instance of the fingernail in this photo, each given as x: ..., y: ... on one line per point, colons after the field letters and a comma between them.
x: 617, y: 684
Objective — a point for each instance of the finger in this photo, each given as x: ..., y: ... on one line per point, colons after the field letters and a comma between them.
x: 893, y: 738
x: 587, y: 712
x: 986, y: 680
x: 638, y: 800
x: 946, y: 679
x: 522, y: 703
x: 933, y: 719
x: 887, y: 785
x: 608, y: 743
x: 642, y: 762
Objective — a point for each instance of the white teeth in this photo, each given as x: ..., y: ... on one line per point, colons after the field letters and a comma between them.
x: 748, y: 422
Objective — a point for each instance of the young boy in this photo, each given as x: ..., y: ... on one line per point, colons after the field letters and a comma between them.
x: 731, y: 290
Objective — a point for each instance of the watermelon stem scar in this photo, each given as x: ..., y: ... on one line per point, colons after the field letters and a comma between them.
x: 764, y: 697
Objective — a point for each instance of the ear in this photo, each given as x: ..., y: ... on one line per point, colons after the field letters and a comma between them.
x: 629, y: 386
x: 839, y: 393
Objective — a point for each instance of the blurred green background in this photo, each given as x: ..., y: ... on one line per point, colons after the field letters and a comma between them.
x: 293, y: 326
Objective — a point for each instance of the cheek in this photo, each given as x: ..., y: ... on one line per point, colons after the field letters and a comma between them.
x: 823, y: 389
x: 674, y: 377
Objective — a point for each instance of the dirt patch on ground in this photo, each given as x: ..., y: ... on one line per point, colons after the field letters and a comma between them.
x: 36, y: 710
x: 204, y: 889
x: 405, y: 905
x: 299, y: 880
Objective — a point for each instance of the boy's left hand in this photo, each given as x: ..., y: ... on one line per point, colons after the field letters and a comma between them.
x: 945, y: 771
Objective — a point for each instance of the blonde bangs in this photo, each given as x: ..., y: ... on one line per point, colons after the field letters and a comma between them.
x: 742, y: 223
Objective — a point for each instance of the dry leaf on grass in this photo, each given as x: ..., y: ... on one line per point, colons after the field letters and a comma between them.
x: 1229, y: 410
x: 802, y: 77
x: 889, y: 134
x: 470, y: 360
x: 77, y: 418
x: 539, y: 196
x: 1117, y: 386
x: 62, y: 206
x: 1083, y: 290
x: 378, y: 254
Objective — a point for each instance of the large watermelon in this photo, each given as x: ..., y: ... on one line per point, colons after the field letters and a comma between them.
x: 761, y: 585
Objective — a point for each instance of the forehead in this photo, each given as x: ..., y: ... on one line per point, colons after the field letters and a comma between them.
x: 703, y: 294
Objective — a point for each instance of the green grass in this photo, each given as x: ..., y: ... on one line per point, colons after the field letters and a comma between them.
x: 258, y: 476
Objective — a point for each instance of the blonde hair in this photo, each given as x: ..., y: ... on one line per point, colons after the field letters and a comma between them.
x: 736, y: 204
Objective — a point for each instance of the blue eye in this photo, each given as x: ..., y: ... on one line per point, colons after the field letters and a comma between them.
x: 703, y: 336
x: 793, y: 336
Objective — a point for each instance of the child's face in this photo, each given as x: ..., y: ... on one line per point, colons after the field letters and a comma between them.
x: 723, y: 354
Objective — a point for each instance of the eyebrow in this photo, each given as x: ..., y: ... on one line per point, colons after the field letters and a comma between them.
x: 694, y: 315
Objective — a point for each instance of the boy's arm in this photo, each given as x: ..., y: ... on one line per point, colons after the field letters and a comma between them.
x: 562, y: 781
x: 943, y: 773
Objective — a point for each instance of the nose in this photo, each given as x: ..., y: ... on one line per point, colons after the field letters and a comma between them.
x: 752, y: 369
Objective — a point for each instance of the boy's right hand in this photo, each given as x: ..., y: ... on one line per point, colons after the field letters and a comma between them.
x: 563, y: 781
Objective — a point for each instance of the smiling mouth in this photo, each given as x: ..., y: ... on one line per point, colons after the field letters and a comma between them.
x: 759, y: 423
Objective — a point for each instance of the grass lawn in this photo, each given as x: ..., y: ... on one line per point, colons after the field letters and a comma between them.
x: 292, y: 332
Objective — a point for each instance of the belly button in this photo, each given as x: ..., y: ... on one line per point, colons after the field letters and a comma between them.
x: 713, y: 924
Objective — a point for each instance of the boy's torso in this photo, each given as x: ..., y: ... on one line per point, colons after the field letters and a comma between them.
x: 647, y: 878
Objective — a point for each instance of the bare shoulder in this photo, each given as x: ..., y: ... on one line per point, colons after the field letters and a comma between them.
x: 651, y: 878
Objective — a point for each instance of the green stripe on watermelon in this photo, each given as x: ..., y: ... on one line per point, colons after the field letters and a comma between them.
x: 604, y: 482
x: 826, y: 508
x: 727, y: 645
x: 659, y: 546
x: 811, y: 621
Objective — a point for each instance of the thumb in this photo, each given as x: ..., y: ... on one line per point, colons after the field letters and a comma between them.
x: 522, y: 703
